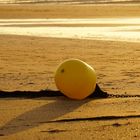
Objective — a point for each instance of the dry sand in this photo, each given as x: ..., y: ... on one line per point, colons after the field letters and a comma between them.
x: 29, y: 63
x: 69, y: 11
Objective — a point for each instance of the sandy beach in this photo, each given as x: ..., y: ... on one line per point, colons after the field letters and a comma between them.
x: 29, y: 58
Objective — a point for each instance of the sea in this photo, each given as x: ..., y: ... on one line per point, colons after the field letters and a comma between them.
x: 69, y: 1
x: 116, y: 29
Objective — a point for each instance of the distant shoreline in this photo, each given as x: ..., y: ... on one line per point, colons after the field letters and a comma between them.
x: 71, y: 2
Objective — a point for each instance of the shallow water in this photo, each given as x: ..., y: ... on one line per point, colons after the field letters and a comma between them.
x: 116, y: 29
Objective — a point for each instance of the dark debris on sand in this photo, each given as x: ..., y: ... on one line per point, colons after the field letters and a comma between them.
x: 98, y: 93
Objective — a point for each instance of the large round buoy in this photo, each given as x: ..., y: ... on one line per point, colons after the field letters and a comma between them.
x: 75, y: 79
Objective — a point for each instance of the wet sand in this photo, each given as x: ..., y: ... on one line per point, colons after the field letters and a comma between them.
x: 29, y: 63
x: 113, y: 29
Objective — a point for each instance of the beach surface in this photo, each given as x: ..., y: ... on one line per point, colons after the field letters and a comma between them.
x: 36, y: 38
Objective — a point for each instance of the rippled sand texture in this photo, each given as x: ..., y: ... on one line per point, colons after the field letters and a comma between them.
x: 28, y: 62
x: 34, y: 39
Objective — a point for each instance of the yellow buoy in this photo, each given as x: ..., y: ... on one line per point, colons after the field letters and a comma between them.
x: 75, y: 79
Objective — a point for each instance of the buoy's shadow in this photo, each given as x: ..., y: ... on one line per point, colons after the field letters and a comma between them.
x: 39, y: 115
